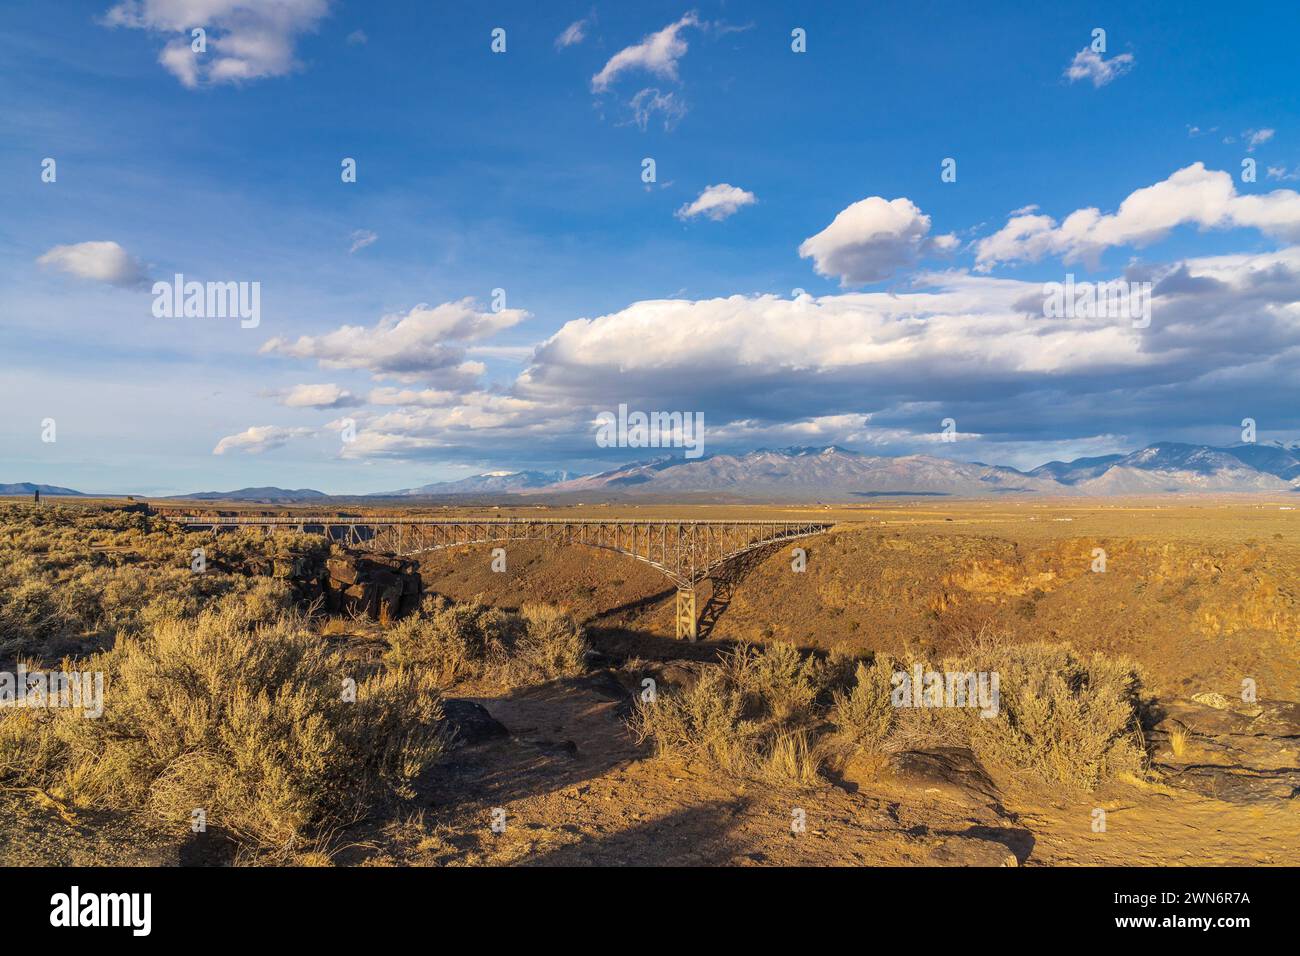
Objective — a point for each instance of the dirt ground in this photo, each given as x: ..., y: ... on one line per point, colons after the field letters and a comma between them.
x: 576, y: 790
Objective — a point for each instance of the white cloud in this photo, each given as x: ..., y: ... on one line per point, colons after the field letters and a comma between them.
x: 259, y: 438
x: 871, y: 239
x: 421, y: 345
x: 573, y: 34
x: 426, y: 397
x: 99, y: 261
x: 971, y: 322
x: 362, y: 238
x: 717, y: 202
x: 864, y: 368
x: 1257, y: 137
x: 246, y: 39
x: 646, y: 103
x: 318, y: 396
x: 966, y: 341
x: 657, y: 53
x: 358, y: 38
x: 1089, y: 65
x: 1193, y: 195
x: 426, y: 424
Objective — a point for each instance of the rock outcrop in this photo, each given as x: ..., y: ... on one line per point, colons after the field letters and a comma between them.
x: 380, y: 586
x: 1233, y: 751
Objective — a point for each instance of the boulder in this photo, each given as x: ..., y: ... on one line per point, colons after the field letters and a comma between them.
x: 971, y: 851
x: 342, y: 570
x: 951, y: 774
x: 471, y: 722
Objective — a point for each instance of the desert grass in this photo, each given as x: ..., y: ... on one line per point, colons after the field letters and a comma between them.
x: 77, y: 576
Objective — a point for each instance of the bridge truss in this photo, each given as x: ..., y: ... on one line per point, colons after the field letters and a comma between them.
x: 686, y: 552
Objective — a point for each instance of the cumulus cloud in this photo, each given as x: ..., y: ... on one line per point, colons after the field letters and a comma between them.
x: 424, y: 344
x: 259, y: 438
x: 717, y: 202
x: 1090, y: 65
x: 877, y: 368
x: 428, y: 397
x: 657, y: 53
x: 872, y: 239
x: 1193, y: 195
x: 573, y: 34
x: 967, y: 346
x: 468, y: 422
x: 246, y: 39
x: 318, y: 396
x: 99, y: 261
x: 362, y: 238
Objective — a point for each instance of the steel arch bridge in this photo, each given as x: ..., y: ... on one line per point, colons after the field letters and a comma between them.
x: 686, y: 552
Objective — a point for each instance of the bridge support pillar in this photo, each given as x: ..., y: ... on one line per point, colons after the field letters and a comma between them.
x: 687, y: 624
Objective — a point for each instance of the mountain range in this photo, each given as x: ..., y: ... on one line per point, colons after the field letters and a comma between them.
x: 837, y: 474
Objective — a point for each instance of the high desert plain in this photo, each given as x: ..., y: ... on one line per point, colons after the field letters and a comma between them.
x: 1147, y: 652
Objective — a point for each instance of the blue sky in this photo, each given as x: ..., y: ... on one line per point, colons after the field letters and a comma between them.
x: 522, y: 171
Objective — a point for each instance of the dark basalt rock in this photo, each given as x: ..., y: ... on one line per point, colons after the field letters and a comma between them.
x: 472, y: 722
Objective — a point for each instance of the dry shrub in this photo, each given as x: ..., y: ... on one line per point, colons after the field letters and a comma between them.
x: 864, y: 716
x: 244, y: 719
x: 753, y: 713
x: 72, y: 574
x: 1064, y: 718
x: 1061, y: 718
x: 552, y: 644
x: 475, y: 640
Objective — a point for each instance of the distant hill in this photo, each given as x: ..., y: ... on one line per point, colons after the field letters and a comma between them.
x: 1175, y: 466
x: 29, y: 489
x: 491, y: 483
x: 809, y: 473
x: 837, y: 474
x: 256, y: 495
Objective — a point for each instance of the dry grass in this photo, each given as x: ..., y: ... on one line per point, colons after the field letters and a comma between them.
x: 1178, y: 739
x: 74, y: 579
